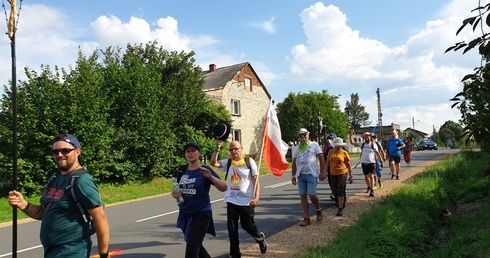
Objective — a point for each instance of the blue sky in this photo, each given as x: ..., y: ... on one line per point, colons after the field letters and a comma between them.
x: 343, y: 47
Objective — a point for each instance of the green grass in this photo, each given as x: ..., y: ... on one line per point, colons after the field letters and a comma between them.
x: 114, y: 194
x: 444, y: 212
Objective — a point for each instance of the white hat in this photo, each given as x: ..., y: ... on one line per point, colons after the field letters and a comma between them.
x: 303, y: 131
x: 338, y: 142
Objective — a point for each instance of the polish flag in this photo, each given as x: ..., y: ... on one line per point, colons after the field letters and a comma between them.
x: 275, y: 149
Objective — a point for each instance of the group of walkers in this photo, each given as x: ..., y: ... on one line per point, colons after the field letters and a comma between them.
x: 333, y: 163
x: 66, y: 233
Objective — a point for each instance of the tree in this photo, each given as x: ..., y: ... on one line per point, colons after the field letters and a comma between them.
x: 304, y: 110
x: 132, y: 111
x: 356, y: 113
x: 473, y: 100
x: 451, y: 132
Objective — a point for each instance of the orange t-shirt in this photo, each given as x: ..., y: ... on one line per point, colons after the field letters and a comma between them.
x: 337, y: 161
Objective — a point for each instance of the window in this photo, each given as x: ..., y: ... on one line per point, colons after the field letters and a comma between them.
x: 235, y: 107
x: 248, y: 84
x: 237, y: 135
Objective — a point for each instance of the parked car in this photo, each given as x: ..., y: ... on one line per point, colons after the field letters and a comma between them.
x: 427, y: 145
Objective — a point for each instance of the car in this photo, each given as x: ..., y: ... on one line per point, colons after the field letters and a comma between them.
x: 427, y: 145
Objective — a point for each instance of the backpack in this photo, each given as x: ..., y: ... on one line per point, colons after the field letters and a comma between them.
x: 247, y: 160
x: 70, y: 190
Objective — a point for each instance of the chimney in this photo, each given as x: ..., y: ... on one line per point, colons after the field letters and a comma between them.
x: 212, y: 67
x: 198, y: 68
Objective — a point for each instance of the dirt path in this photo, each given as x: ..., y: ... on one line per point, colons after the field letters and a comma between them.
x: 286, y: 243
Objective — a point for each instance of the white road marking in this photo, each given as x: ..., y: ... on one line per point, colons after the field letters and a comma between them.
x: 168, y: 213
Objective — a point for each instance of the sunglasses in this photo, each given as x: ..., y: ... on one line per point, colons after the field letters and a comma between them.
x: 234, y: 149
x: 64, y: 151
x: 302, y: 135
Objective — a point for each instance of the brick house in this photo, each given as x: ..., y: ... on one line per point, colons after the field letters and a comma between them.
x: 240, y: 89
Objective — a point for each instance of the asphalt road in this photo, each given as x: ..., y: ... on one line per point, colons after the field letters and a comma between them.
x: 146, y: 228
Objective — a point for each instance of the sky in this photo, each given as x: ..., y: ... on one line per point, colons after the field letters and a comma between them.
x: 296, y: 46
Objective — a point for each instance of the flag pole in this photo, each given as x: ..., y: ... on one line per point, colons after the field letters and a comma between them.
x: 262, y: 147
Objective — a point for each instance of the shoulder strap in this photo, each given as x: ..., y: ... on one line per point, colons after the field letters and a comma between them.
x: 180, y: 172
x: 71, y: 192
x: 228, y: 165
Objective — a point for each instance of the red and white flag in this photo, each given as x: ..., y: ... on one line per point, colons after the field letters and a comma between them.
x: 275, y: 149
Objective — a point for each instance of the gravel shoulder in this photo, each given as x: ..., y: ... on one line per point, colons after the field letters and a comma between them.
x: 286, y: 243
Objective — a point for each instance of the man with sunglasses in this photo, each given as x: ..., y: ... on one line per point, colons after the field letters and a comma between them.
x: 64, y: 232
x: 242, y: 195
x: 305, y: 173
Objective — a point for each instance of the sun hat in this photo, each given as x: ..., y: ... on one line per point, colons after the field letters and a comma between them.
x: 193, y: 144
x: 338, y: 142
x: 221, y: 131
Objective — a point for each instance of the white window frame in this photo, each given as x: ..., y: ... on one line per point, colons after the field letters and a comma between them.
x: 235, y: 107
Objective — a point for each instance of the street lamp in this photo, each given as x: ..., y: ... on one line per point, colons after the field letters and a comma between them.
x: 413, y: 122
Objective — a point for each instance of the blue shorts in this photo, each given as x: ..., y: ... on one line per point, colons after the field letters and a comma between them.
x: 307, y: 184
x: 379, y: 168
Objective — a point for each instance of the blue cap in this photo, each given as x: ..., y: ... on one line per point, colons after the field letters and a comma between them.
x: 332, y: 136
x: 69, y: 139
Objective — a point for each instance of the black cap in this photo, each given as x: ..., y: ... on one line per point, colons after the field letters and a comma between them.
x: 194, y: 144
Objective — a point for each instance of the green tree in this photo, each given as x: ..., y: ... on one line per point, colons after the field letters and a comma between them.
x: 473, y: 100
x: 132, y: 112
x: 303, y: 110
x: 358, y: 117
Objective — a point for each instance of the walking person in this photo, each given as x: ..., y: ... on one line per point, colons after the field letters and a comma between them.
x: 394, y: 146
x: 369, y: 153
x: 407, y: 151
x: 64, y: 232
x: 305, y: 173
x: 379, y: 163
x: 338, y: 161
x: 328, y: 147
x: 242, y: 195
x: 195, y: 213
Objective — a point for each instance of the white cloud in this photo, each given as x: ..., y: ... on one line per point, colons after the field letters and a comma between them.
x: 267, y: 26
x: 415, y: 78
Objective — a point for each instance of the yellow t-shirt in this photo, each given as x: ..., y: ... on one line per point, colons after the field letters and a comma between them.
x: 337, y: 161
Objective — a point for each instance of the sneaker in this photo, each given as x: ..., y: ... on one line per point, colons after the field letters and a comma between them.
x: 371, y: 193
x: 319, y: 215
x: 332, y: 197
x: 367, y: 190
x: 340, y: 212
x: 397, y: 178
x: 380, y: 185
x: 392, y: 176
x: 375, y: 187
x: 263, y: 245
x: 305, y: 222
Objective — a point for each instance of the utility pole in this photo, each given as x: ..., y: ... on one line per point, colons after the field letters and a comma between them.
x: 380, y: 118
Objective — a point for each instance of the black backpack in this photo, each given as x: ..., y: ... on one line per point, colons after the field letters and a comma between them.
x: 70, y: 190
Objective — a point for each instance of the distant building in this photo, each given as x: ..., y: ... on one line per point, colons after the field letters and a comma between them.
x: 240, y: 89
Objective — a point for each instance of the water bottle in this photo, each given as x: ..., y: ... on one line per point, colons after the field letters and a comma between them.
x: 177, y: 191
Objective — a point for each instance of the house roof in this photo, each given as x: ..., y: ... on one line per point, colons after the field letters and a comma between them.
x: 417, y: 131
x: 217, y: 79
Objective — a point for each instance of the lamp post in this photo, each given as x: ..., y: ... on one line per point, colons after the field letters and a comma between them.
x: 413, y: 122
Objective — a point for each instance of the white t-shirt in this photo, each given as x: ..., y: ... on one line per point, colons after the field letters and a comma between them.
x: 239, y: 181
x: 306, y: 162
x: 368, y: 152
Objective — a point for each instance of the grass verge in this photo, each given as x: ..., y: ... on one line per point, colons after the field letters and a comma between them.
x: 444, y: 212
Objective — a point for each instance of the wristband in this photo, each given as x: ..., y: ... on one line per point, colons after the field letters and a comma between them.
x: 27, y: 207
